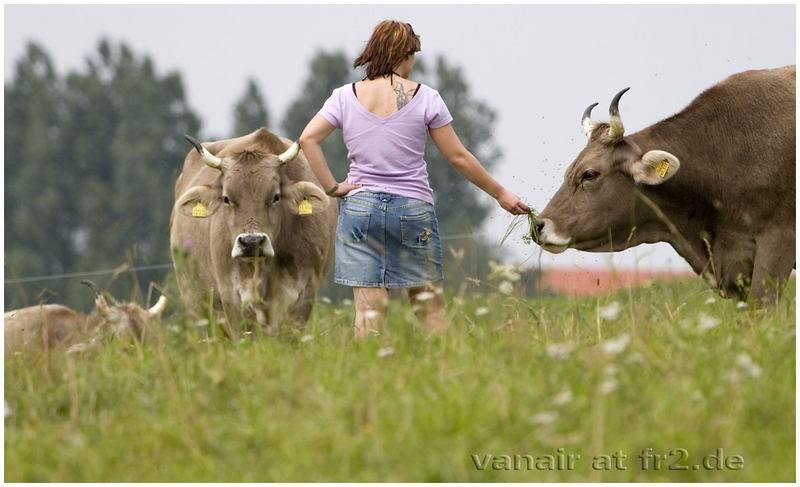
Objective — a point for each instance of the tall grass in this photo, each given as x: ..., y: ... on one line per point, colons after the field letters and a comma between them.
x: 669, y: 367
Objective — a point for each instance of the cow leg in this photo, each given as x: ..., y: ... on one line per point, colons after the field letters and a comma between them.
x: 775, y: 258
x: 733, y: 254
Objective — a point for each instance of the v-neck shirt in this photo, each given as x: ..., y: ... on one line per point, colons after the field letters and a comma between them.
x: 387, y: 153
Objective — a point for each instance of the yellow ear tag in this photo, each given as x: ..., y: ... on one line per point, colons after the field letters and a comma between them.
x: 662, y: 168
x: 304, y: 208
x: 199, y: 211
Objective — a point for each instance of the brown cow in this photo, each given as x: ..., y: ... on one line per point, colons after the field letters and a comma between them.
x: 251, y: 231
x: 716, y: 181
x: 51, y: 326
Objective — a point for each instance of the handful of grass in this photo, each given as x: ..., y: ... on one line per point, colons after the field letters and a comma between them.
x: 530, y: 235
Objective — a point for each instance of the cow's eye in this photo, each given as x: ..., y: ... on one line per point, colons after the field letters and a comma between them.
x: 276, y: 198
x: 226, y: 200
x: 589, y: 175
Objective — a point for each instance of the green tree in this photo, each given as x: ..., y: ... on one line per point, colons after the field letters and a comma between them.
x: 327, y: 72
x: 102, y: 195
x: 250, y: 111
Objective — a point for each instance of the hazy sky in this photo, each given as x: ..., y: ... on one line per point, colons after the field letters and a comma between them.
x: 538, y: 66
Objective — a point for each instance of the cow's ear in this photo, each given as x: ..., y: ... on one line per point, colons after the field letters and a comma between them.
x: 655, y: 167
x: 199, y: 202
x: 305, y: 190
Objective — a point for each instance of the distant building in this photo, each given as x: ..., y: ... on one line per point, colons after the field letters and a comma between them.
x: 582, y: 282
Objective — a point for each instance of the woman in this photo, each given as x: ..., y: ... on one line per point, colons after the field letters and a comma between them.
x: 387, y: 235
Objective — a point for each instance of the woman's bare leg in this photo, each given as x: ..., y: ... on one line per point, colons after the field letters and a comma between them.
x: 371, y: 305
x: 429, y: 305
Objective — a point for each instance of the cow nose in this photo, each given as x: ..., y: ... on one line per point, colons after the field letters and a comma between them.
x: 537, y: 229
x: 252, y: 245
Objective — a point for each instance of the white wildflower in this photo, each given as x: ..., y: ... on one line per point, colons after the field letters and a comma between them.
x: 174, y: 328
x: 425, y: 296
x: 748, y: 366
x: 546, y: 417
x: 616, y: 345
x: 636, y: 357
x: 371, y: 314
x: 741, y: 305
x: 78, y: 348
x: 199, y: 323
x: 705, y: 322
x: 506, y: 288
x: 325, y: 299
x: 559, y: 351
x: 347, y: 302
x: 610, y: 370
x: 608, y: 385
x: 307, y: 338
x: 385, y: 352
x: 503, y: 272
x: 711, y: 301
x: 563, y: 397
x: 609, y: 312
x: 483, y: 310
x: 7, y: 410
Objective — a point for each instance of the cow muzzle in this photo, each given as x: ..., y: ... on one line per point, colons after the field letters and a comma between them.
x: 548, y: 238
x: 252, y: 245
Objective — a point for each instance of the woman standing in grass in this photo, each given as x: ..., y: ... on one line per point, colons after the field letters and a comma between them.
x: 387, y: 235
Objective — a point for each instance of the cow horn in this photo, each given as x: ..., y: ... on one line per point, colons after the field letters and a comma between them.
x: 207, y: 157
x: 99, y: 300
x: 158, y: 308
x: 290, y: 153
x: 586, y: 121
x: 616, y: 129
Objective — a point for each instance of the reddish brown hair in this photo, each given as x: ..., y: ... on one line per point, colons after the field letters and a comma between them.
x: 391, y: 42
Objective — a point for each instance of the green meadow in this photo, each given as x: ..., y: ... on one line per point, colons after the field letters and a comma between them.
x: 664, y: 383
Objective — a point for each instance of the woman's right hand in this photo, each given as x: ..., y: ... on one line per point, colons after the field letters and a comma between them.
x: 511, y: 203
x: 343, y: 188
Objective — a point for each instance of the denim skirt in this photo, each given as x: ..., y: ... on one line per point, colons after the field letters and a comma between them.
x: 389, y: 241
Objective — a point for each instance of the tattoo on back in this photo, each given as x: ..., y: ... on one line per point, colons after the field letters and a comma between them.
x: 403, y: 97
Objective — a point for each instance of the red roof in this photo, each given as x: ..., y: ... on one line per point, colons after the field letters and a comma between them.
x: 579, y: 282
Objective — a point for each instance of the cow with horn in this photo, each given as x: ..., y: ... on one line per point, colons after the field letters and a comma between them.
x: 251, y: 232
x: 54, y: 326
x: 716, y: 181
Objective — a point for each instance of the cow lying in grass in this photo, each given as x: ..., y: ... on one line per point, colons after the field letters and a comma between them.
x: 52, y: 326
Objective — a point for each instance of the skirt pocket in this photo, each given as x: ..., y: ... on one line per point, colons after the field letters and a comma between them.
x: 353, y: 226
x: 417, y: 230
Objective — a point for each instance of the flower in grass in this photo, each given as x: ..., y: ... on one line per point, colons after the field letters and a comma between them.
x: 711, y: 301
x: 559, y: 351
x: 545, y: 417
x: 563, y: 397
x: 385, y: 352
x: 483, y: 310
x: 371, y: 314
x: 307, y: 338
x: 506, y: 288
x: 608, y: 386
x: 7, y: 410
x: 425, y: 296
x: 503, y: 272
x: 609, y: 312
x: 748, y: 366
x: 741, y: 305
x: 705, y: 322
x: 617, y: 345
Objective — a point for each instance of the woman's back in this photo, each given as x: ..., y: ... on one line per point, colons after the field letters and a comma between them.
x: 384, y: 97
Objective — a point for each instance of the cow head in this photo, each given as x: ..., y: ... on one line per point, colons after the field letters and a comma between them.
x: 251, y: 197
x: 125, y: 320
x: 594, y: 209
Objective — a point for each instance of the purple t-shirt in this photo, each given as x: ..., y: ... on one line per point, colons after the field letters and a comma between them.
x: 386, y: 154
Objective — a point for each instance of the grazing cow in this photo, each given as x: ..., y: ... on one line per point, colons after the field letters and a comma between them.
x: 716, y: 181
x: 251, y: 231
x: 51, y: 326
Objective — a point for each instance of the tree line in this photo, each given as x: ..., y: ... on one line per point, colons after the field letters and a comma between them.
x: 91, y: 159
